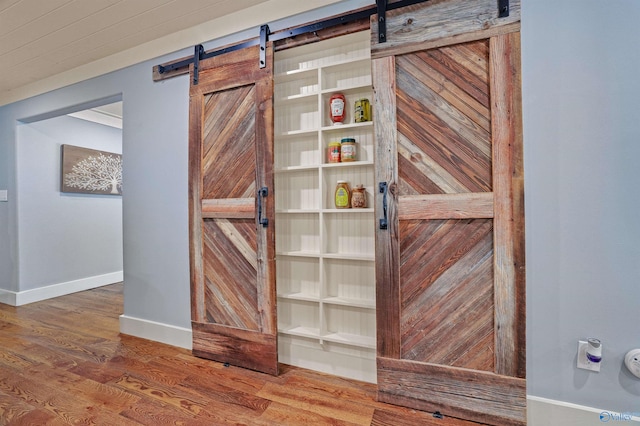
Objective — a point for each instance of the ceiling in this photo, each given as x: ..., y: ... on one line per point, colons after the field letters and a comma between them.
x: 41, y: 38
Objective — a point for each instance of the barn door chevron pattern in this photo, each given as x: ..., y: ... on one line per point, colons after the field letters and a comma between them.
x: 444, y: 147
x: 444, y: 140
x: 233, y: 295
x: 450, y: 265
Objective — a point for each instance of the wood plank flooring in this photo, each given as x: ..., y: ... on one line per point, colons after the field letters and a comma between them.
x: 63, y: 361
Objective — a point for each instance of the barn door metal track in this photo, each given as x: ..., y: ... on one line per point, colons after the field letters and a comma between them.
x: 382, y: 6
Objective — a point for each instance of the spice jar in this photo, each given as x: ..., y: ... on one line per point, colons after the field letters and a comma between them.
x: 342, y: 195
x: 358, y: 197
x: 347, y: 150
x: 333, y: 152
x: 337, y: 108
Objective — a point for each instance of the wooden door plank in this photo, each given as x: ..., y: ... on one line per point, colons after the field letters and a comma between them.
x: 436, y: 24
x: 248, y: 349
x: 507, y: 181
x: 230, y: 208
x: 386, y: 170
x: 475, y: 395
x: 266, y: 255
x: 196, y: 112
x: 446, y: 206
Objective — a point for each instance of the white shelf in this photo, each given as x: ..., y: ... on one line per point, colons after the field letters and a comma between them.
x: 313, y: 333
x: 325, y: 261
x: 299, y: 296
x: 342, y: 256
x: 350, y: 339
x: 360, y: 303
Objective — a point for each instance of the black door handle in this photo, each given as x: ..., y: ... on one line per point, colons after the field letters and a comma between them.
x: 262, y: 192
x: 382, y: 187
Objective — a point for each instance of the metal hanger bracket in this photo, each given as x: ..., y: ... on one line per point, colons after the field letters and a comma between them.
x: 197, y: 55
x: 503, y: 8
x: 382, y: 20
x: 264, y: 37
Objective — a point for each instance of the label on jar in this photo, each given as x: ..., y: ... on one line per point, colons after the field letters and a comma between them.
x: 348, y: 151
x: 342, y: 198
x: 343, y: 195
x: 333, y: 153
x: 336, y: 105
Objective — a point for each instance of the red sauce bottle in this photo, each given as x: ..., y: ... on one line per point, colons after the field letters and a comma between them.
x: 337, y: 109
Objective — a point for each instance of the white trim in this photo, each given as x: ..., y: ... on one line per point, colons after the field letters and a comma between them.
x: 98, y: 117
x: 8, y: 297
x: 159, y: 332
x: 60, y: 289
x: 549, y: 412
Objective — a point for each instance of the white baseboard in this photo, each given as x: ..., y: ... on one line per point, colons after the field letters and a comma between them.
x: 8, y: 297
x: 159, y: 332
x: 20, y: 298
x: 549, y: 412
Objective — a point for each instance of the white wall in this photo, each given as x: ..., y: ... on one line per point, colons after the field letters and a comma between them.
x: 582, y: 144
x: 64, y: 237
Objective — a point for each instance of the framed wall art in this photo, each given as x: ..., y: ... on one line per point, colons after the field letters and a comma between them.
x: 90, y: 171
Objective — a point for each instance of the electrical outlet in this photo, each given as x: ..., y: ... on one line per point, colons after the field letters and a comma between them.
x: 3, y: 195
x: 583, y: 362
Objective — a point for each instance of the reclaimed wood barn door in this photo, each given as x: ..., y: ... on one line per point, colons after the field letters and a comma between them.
x: 233, y: 297
x: 450, y: 261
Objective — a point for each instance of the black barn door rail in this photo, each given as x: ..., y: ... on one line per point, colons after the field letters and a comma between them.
x: 382, y: 6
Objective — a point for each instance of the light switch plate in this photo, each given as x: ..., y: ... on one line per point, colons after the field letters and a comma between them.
x: 3, y: 195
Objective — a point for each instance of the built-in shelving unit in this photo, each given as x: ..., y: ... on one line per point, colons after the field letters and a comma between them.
x: 325, y: 256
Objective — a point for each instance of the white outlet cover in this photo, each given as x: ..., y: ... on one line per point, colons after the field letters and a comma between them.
x: 3, y: 195
x: 583, y: 362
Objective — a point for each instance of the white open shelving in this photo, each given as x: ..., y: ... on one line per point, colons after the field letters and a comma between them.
x: 324, y: 256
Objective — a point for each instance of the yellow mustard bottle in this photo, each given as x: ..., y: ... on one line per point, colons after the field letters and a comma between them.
x: 342, y: 195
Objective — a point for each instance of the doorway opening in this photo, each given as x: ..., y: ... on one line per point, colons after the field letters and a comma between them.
x: 67, y: 241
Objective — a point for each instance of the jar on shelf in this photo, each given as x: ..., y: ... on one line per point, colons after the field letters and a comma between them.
x: 337, y: 108
x: 342, y: 195
x: 347, y: 150
x: 333, y: 152
x: 358, y: 197
x: 362, y: 111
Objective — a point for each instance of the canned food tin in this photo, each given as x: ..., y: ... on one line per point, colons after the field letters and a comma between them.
x: 362, y: 110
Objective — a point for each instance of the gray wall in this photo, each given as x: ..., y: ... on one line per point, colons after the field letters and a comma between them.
x: 582, y: 143
x: 64, y: 237
x: 581, y: 140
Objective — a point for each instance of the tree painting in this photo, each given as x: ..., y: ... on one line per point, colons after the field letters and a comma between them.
x: 90, y: 171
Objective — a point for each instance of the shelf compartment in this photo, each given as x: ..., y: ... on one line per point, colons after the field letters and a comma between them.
x: 296, y: 85
x: 297, y: 190
x: 298, y: 116
x: 361, y: 132
x: 299, y: 318
x: 298, y: 278
x: 351, y: 96
x: 322, y: 54
x: 349, y: 234
x: 298, y: 233
x: 355, y: 175
x: 349, y: 325
x: 346, y: 76
x: 350, y: 283
x: 297, y: 151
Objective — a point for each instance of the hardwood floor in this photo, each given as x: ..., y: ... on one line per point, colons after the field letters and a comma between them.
x: 63, y: 361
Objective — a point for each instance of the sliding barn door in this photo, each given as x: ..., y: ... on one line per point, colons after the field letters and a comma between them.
x: 233, y: 306
x: 450, y: 260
